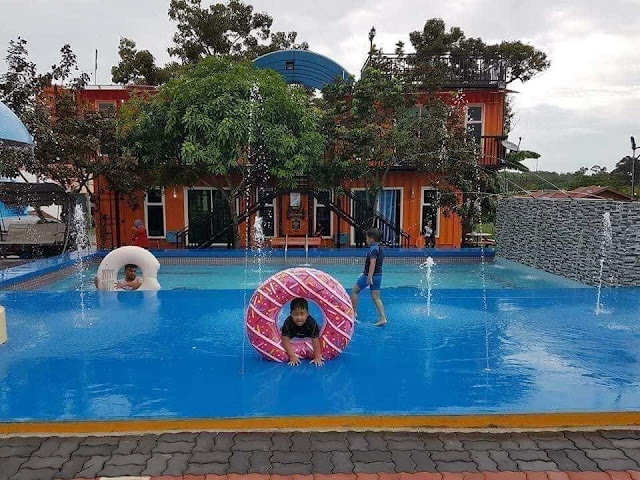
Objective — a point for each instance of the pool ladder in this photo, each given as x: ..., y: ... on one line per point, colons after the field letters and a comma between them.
x: 306, y: 248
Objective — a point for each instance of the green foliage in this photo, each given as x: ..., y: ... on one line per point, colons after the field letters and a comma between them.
x: 72, y: 144
x: 231, y: 29
x: 513, y: 160
x: 523, y: 61
x: 373, y: 126
x: 227, y: 119
x: 618, y: 179
x: 137, y: 66
x: 224, y: 29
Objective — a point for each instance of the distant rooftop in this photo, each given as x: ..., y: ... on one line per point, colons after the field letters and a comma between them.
x: 594, y: 192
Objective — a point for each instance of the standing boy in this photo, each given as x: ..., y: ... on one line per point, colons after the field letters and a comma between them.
x: 372, y: 276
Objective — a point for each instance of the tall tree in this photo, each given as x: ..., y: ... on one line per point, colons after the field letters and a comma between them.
x: 224, y: 29
x: 442, y: 54
x: 522, y: 61
x: 72, y: 143
x: 228, y: 121
x: 374, y: 126
x: 136, y: 66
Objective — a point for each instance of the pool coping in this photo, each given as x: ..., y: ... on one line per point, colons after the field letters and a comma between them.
x: 23, y: 273
x: 503, y: 422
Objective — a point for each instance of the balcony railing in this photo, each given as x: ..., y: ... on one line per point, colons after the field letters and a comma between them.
x: 448, y: 71
x: 492, y: 151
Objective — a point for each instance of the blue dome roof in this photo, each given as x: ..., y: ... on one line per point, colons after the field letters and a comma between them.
x: 11, y: 128
x: 303, y: 67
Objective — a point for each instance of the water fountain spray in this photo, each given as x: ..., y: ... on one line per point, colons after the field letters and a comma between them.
x: 607, y: 237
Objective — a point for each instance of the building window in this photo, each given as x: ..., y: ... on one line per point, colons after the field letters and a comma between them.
x: 322, y: 214
x: 268, y: 211
x: 104, y: 106
x: 154, y: 206
x: 474, y: 121
x: 430, y: 211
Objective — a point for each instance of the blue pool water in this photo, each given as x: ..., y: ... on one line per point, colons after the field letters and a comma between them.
x: 183, y: 354
x: 499, y: 274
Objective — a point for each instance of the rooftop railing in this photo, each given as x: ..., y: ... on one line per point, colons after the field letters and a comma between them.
x: 448, y: 71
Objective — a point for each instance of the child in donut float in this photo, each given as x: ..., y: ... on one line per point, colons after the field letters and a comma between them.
x: 299, y: 324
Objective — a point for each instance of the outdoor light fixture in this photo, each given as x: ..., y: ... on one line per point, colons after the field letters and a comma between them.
x: 633, y: 168
x: 372, y: 34
x: 175, y: 195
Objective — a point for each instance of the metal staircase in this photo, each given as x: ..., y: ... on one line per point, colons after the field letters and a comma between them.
x: 206, y: 221
x: 372, y: 219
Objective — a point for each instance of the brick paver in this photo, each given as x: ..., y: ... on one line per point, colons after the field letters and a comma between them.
x: 326, y: 456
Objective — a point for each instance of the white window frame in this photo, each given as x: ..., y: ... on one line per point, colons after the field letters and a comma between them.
x: 352, y: 205
x: 475, y: 122
x: 422, y: 204
x: 275, y: 210
x: 185, y: 196
x: 315, y: 213
x: 155, y: 204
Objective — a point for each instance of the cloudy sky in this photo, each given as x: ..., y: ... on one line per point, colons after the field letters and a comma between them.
x: 580, y: 112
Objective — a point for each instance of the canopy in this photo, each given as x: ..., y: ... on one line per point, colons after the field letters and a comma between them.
x: 303, y: 67
x: 15, y: 194
x: 12, y: 130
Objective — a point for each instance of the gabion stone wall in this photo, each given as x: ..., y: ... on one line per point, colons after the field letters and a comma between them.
x: 567, y: 237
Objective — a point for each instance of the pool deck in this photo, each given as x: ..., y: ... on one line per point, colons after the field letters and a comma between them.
x: 372, y: 455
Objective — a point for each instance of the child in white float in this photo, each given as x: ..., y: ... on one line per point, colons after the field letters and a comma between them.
x: 130, y: 282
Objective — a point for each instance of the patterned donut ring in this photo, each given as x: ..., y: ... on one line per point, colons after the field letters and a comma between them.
x: 281, y: 288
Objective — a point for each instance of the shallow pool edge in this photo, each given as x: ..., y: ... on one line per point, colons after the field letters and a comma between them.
x: 570, y: 420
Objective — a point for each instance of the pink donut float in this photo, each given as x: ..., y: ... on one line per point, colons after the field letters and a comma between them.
x: 270, y: 297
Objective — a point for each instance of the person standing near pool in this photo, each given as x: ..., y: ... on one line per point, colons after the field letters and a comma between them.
x: 372, y: 276
x: 139, y: 236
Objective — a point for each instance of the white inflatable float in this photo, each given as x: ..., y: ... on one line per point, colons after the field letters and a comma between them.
x: 115, y: 260
x: 3, y: 326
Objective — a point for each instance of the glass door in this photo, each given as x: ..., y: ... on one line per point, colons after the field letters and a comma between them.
x: 221, y: 215
x: 389, y: 209
x: 199, y: 205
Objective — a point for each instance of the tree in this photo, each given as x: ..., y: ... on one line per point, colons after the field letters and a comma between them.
x: 72, y: 143
x: 522, y: 61
x: 232, y: 29
x: 227, y: 120
x: 136, y: 66
x: 441, y: 55
x: 513, y: 160
x: 622, y: 169
x: 373, y: 126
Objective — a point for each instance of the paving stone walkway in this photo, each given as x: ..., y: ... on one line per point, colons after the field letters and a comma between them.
x: 326, y: 456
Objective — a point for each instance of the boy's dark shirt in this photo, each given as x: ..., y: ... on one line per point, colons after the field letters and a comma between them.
x: 375, y: 252
x: 308, y: 329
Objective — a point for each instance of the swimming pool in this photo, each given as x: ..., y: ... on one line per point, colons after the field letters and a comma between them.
x: 498, y: 274
x: 529, y: 343
x: 183, y: 354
